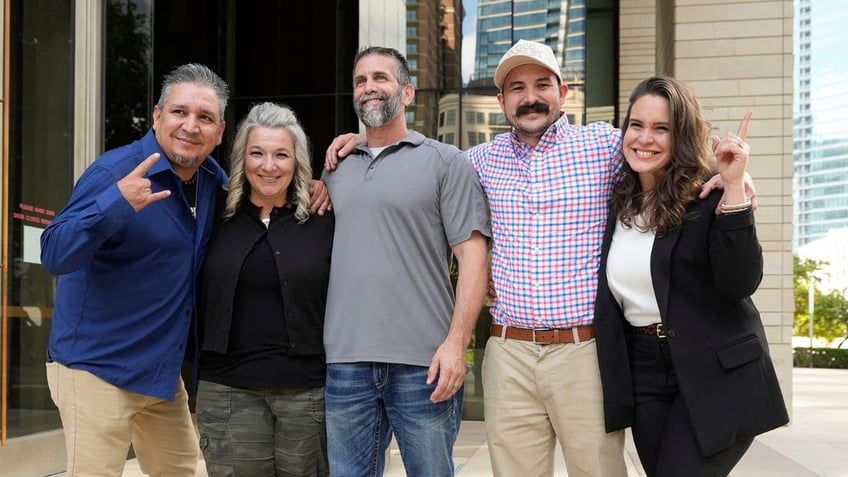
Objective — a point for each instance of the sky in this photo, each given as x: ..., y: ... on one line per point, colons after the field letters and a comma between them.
x: 469, y: 38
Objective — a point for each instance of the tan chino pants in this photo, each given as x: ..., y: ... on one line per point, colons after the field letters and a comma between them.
x: 101, y: 420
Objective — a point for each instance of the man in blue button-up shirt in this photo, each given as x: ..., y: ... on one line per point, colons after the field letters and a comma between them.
x: 127, y: 249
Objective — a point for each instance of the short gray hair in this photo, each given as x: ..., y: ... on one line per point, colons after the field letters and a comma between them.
x: 198, y: 74
x: 401, y: 66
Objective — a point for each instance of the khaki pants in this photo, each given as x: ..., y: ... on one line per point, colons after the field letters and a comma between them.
x: 101, y: 420
x: 535, y: 395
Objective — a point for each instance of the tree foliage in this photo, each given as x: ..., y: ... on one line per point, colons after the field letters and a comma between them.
x: 830, y: 311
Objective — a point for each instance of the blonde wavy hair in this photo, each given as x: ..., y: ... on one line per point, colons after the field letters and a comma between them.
x: 272, y: 116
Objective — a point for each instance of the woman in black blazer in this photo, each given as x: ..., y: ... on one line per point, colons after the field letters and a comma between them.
x: 683, y: 355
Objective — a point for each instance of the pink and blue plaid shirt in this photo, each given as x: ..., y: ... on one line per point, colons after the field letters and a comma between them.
x: 549, y: 207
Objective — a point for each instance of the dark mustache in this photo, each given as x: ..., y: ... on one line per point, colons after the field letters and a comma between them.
x: 532, y: 108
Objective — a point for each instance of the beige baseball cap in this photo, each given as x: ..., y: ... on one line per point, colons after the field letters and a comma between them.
x: 526, y: 52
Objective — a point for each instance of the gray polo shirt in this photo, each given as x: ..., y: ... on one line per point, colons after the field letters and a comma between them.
x: 390, y: 298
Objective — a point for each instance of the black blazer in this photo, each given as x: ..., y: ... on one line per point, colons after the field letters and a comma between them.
x: 703, y: 275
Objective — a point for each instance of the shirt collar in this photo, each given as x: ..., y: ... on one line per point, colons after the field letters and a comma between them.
x: 413, y: 138
x: 253, y: 210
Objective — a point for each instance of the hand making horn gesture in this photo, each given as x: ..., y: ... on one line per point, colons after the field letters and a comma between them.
x: 731, y: 153
x: 136, y: 188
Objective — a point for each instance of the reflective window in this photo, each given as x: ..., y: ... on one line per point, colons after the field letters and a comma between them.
x: 128, y: 89
x: 469, y: 113
x: 451, y: 119
x: 40, y: 175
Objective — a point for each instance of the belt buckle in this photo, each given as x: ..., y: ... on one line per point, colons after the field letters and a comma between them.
x: 661, y: 331
x: 534, y: 330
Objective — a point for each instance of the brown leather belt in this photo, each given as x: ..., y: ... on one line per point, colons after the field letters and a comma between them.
x: 652, y: 330
x: 546, y: 335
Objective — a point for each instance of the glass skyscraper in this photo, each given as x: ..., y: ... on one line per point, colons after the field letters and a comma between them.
x: 502, y: 22
x: 820, y: 130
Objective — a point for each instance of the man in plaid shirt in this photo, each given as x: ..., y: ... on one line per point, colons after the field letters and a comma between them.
x: 548, y: 184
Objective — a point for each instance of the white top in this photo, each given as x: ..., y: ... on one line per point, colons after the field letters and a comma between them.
x: 629, y: 274
x: 375, y: 151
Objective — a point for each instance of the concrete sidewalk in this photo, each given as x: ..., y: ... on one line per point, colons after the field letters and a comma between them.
x: 814, y: 444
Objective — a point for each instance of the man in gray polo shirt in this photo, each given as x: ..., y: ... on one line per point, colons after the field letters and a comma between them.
x: 395, y: 337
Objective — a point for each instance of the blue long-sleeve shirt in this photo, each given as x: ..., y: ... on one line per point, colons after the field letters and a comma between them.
x: 126, y: 290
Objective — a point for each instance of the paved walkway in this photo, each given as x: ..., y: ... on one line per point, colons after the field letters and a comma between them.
x: 814, y: 444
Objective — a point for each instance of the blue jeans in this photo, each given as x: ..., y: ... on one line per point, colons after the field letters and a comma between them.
x: 365, y: 402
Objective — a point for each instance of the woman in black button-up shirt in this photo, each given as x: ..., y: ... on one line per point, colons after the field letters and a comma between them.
x: 263, y: 290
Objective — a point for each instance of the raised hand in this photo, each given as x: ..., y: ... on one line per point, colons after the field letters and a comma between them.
x: 731, y: 153
x: 136, y: 188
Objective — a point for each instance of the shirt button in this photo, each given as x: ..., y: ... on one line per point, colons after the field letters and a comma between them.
x: 291, y: 345
x: 277, y: 253
x: 285, y: 283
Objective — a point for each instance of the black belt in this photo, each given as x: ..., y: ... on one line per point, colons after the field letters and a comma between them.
x: 652, y: 330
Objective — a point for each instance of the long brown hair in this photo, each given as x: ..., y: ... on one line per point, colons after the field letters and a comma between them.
x: 664, y: 207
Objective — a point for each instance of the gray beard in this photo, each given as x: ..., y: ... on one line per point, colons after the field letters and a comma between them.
x: 184, y: 161
x: 374, y: 117
x: 378, y: 116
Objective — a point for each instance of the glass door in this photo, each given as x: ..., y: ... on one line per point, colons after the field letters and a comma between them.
x: 38, y: 174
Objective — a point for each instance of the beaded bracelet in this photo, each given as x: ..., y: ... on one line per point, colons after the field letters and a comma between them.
x: 734, y: 208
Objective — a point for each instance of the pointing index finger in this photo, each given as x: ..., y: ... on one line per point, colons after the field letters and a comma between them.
x: 145, y: 165
x: 743, y: 126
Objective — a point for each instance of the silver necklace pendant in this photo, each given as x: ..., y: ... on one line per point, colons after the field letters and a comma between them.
x: 193, y: 183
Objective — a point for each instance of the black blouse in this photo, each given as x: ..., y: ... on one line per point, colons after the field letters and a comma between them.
x: 262, y: 297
